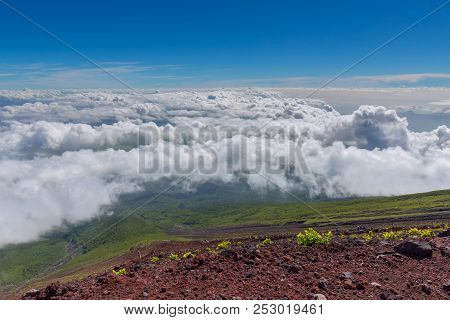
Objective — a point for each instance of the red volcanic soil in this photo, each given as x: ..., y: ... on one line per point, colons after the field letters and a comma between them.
x: 344, y: 269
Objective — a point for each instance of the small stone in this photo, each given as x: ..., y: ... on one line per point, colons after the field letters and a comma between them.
x: 393, y: 291
x: 360, y: 286
x: 32, y: 293
x: 445, y: 233
x: 383, y: 296
x: 293, y: 269
x: 346, y: 275
x: 426, y: 288
x: 145, y: 294
x: 445, y: 252
x: 375, y: 284
x: 322, y: 283
x: 318, y: 296
x: 398, y: 297
x: 348, y: 284
x: 446, y: 286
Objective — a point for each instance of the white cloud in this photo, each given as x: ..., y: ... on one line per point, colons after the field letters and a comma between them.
x: 67, y: 155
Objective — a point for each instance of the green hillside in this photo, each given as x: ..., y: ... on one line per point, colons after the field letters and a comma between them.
x: 176, y: 216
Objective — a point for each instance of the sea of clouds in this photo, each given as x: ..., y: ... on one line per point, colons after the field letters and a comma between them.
x: 66, y: 155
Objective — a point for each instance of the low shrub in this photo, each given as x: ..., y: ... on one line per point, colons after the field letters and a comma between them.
x: 265, y: 242
x: 368, y: 236
x: 154, y: 259
x: 312, y: 237
x: 391, y: 235
x: 223, y: 245
x: 174, y: 256
x: 424, y: 233
x: 119, y: 272
x: 188, y: 255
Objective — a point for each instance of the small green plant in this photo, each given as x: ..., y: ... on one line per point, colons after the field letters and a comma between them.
x: 239, y: 243
x: 265, y: 242
x: 188, y: 255
x: 223, y: 245
x: 119, y: 272
x: 311, y: 237
x: 368, y: 236
x: 414, y: 232
x: 422, y: 233
x: 174, y: 256
x: 154, y: 259
x: 391, y: 235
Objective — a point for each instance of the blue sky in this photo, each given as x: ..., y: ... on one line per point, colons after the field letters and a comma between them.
x: 223, y: 43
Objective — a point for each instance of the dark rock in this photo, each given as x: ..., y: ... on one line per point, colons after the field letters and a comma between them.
x: 322, y: 283
x: 398, y: 297
x: 446, y: 286
x: 50, y: 291
x: 293, y: 269
x: 445, y: 233
x: 426, y: 288
x: 445, y: 252
x: 360, y: 286
x: 415, y: 249
x: 383, y: 296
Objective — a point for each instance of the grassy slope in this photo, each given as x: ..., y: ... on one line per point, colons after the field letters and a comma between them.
x: 97, y: 241
x: 26, y: 260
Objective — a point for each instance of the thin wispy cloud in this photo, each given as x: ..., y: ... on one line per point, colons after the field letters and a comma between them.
x: 388, y: 80
x: 41, y: 75
x: 409, y: 77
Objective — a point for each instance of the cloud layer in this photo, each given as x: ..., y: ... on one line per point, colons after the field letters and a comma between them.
x: 65, y: 156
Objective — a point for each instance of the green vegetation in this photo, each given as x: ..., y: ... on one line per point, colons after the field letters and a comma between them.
x: 311, y: 237
x: 154, y: 259
x: 174, y: 256
x: 401, y: 234
x: 390, y: 235
x: 188, y: 255
x: 368, y: 236
x: 175, y: 216
x: 265, y: 242
x: 25, y: 261
x: 120, y: 272
x: 223, y: 245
